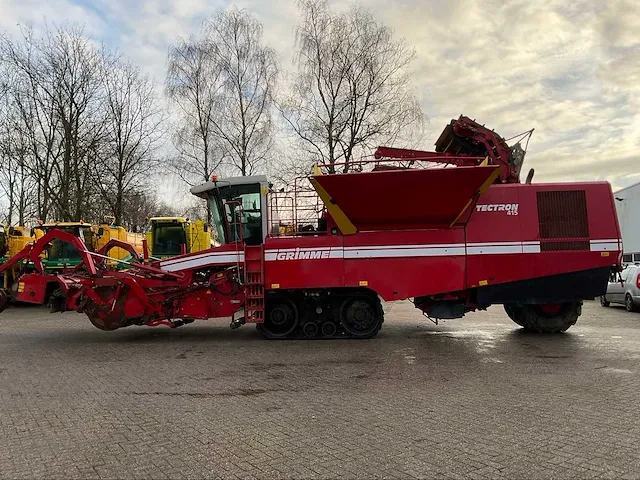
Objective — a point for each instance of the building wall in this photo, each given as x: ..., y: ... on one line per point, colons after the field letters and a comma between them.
x: 628, y: 208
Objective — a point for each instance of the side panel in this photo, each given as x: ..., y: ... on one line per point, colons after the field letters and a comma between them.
x: 304, y: 262
x: 495, y: 239
x: 405, y: 264
x: 517, y: 249
x: 395, y: 264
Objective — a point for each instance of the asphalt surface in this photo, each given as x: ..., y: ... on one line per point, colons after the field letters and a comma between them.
x: 470, y: 398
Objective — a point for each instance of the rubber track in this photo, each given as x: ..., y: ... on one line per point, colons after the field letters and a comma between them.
x: 341, y: 333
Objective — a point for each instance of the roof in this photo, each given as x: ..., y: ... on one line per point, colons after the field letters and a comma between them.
x: 627, y: 187
x: 201, y: 190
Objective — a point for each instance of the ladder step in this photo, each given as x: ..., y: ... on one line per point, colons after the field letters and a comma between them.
x: 254, y: 282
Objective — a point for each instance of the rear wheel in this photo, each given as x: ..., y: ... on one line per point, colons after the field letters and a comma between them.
x: 510, y: 309
x: 604, y: 302
x: 629, y: 304
x: 545, y: 318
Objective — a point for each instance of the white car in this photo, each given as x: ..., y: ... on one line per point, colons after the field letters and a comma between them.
x: 625, y: 292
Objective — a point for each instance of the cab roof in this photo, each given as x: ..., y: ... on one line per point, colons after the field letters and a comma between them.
x: 201, y: 190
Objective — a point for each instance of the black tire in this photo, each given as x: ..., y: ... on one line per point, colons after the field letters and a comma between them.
x: 361, y: 316
x: 4, y: 299
x: 511, y: 312
x: 629, y: 304
x: 535, y: 318
x: 604, y: 302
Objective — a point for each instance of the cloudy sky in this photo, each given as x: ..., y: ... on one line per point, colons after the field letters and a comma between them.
x: 569, y: 69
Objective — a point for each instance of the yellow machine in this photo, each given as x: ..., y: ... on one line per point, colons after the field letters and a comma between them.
x: 107, y: 231
x: 12, y: 240
x: 62, y: 254
x: 166, y: 235
x: 16, y: 238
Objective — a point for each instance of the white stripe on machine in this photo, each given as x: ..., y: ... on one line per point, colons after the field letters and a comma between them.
x: 376, y: 251
x: 204, y: 260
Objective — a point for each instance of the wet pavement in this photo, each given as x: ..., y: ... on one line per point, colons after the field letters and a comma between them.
x: 469, y: 398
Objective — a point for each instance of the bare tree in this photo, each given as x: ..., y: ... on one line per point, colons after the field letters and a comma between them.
x: 15, y: 180
x: 129, y: 150
x: 34, y: 112
x: 75, y: 67
x: 353, y: 87
x: 191, y: 85
x: 54, y: 82
x: 247, y: 78
x: 142, y: 205
x: 80, y: 129
x: 221, y: 81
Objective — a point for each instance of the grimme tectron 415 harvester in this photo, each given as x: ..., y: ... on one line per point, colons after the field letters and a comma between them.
x: 452, y: 239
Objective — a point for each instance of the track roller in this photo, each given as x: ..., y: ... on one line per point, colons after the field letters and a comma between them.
x: 310, y: 329
x: 328, y: 329
x: 322, y: 314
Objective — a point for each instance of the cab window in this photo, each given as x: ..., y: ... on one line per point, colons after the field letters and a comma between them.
x: 237, y: 213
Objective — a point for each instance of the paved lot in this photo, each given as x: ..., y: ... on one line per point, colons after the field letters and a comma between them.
x: 469, y: 398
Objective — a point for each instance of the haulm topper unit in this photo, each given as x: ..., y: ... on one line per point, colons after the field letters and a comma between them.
x: 453, y: 230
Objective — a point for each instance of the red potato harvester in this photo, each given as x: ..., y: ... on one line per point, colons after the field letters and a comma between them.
x: 454, y: 230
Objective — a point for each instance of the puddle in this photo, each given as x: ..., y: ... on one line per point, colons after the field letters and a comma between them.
x: 491, y: 360
x: 407, y: 355
x: 618, y: 370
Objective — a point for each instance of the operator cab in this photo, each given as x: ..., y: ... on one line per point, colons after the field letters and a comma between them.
x: 168, y: 235
x: 238, y: 207
x: 61, y: 251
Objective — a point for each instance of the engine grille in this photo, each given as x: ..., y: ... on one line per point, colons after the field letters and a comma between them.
x: 563, y: 220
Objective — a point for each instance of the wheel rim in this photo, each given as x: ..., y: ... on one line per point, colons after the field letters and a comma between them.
x: 281, y: 319
x: 603, y: 300
x: 628, y: 302
x: 359, y: 317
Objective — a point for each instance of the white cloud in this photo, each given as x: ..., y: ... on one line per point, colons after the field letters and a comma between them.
x: 571, y: 70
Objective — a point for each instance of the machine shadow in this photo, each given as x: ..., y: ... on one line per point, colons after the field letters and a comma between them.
x: 220, y: 333
x: 132, y: 335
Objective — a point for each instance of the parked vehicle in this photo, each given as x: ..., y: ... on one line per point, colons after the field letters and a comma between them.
x: 624, y: 289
